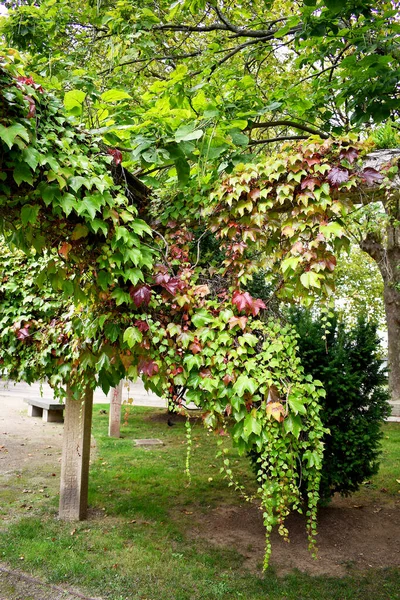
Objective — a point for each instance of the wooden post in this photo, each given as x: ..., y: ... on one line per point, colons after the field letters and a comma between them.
x: 75, y: 456
x: 114, y: 425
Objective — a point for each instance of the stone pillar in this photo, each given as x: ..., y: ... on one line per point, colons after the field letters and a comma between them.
x: 75, y: 456
x: 114, y: 425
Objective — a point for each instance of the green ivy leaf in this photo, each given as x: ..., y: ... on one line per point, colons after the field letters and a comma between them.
x: 104, y: 279
x: 67, y: 202
x: 297, y: 406
x: 193, y: 360
x: 251, y: 425
x: 31, y: 156
x: 112, y: 331
x: 77, y: 182
x: 73, y: 101
x: 22, y: 173
x: 140, y: 227
x: 132, y: 336
x: 10, y: 134
x: 183, y: 170
x: 201, y: 318
x: 243, y: 384
x: 79, y: 232
x: 293, y: 424
x: 29, y: 213
x: 310, y: 279
x: 185, y: 133
x: 121, y: 297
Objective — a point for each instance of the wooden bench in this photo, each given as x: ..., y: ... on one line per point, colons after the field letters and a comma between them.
x: 51, y: 412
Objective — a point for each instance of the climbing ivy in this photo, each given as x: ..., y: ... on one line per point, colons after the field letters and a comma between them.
x: 130, y: 293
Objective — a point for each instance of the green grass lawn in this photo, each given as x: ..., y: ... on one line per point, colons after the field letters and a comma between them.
x: 135, y: 544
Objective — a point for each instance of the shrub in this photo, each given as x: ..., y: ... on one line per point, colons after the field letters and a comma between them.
x: 356, y: 402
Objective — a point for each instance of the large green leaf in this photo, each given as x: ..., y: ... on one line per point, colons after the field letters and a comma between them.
x: 10, y: 134
x: 73, y: 101
x: 114, y: 95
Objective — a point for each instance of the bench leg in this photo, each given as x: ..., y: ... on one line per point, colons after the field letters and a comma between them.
x: 53, y: 416
x: 34, y: 411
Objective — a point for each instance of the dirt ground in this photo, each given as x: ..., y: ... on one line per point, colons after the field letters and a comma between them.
x: 350, y: 535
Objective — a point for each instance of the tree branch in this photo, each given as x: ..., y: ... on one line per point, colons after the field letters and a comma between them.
x: 283, y: 138
x: 149, y: 60
x: 285, y: 123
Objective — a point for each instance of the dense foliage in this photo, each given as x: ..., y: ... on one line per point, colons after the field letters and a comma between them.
x: 147, y: 294
x: 180, y: 333
x: 347, y: 362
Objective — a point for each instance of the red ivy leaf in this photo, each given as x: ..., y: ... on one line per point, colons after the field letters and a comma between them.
x: 147, y: 367
x: 227, y: 379
x: 64, y: 249
x: 172, y: 285
x: 141, y: 325
x: 140, y: 294
x: 330, y: 262
x: 205, y: 373
x: 257, y: 306
x: 195, y: 347
x: 350, y: 154
x: 371, y: 176
x: 161, y: 278
x: 310, y: 183
x: 337, y: 175
x: 246, y: 303
x: 241, y: 300
x: 29, y: 81
x: 32, y: 107
x: 255, y: 193
x: 313, y: 160
x: 116, y: 154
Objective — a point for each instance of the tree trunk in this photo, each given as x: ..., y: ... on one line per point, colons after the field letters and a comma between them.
x: 75, y: 456
x: 392, y: 308
x: 387, y: 258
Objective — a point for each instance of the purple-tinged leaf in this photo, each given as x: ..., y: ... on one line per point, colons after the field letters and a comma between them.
x: 172, y: 285
x: 337, y: 175
x: 371, y: 176
x: 350, y: 154
x: 161, y: 278
x: 140, y: 294
x: 23, y: 333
